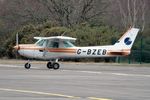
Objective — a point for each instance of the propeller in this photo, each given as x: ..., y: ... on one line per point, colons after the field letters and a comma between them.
x: 17, y: 39
x: 16, y: 47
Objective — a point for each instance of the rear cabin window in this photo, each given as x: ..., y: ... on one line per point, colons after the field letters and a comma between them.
x: 67, y: 44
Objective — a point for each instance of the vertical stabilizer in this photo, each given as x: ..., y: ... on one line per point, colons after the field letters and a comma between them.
x: 127, y: 40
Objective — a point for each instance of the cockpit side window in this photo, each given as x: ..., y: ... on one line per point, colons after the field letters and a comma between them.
x: 53, y: 44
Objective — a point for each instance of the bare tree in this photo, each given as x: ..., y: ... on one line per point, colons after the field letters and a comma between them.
x: 59, y: 10
x: 70, y: 12
x: 132, y: 12
x: 65, y: 12
x: 143, y: 9
x: 86, y: 6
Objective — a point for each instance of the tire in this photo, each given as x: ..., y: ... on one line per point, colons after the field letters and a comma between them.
x: 27, y: 65
x: 49, y: 65
x: 56, y: 66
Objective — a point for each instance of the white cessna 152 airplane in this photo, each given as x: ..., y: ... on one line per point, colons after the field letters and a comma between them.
x: 58, y: 47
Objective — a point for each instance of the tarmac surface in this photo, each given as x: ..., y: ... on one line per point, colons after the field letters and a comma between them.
x: 74, y: 81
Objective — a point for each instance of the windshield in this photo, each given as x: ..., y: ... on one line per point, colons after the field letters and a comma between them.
x: 40, y: 42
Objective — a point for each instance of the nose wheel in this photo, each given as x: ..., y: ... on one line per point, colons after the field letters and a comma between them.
x: 27, y: 65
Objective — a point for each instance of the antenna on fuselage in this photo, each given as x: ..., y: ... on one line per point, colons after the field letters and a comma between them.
x: 63, y: 33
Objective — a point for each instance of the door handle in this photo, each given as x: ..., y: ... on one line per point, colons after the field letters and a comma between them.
x: 41, y: 50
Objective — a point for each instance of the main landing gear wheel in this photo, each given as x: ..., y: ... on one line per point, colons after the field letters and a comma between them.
x: 49, y: 65
x: 56, y: 66
x: 27, y: 65
x: 53, y: 65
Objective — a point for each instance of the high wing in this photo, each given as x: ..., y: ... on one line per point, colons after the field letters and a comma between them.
x: 56, y: 37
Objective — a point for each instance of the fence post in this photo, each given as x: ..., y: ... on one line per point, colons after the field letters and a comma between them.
x: 129, y: 59
x: 118, y: 59
x: 141, y: 50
